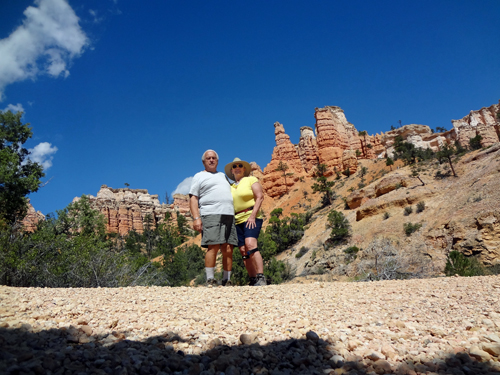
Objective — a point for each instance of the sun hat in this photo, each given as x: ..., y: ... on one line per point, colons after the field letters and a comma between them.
x: 228, y: 168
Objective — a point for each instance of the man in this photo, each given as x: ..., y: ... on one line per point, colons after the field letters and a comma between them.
x: 211, y: 205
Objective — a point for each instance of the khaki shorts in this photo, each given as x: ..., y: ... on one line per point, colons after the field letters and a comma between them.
x: 218, y: 229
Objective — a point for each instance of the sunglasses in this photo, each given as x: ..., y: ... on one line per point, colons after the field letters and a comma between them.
x: 237, y: 166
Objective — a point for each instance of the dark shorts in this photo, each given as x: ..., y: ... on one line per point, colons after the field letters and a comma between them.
x: 244, y: 232
x: 218, y: 229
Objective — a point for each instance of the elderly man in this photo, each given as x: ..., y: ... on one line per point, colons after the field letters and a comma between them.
x: 211, y: 205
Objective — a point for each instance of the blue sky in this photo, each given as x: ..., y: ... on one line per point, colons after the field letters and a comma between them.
x: 122, y: 91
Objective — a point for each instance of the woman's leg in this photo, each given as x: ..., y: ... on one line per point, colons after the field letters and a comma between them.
x: 255, y: 257
x: 248, y: 262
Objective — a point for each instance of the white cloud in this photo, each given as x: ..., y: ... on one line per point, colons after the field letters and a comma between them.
x: 14, y: 108
x: 43, y: 154
x: 47, y: 41
x: 94, y: 15
x: 183, y: 187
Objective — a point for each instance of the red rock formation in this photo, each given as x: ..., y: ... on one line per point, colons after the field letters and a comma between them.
x: 307, y: 149
x: 483, y: 122
x: 335, y: 134
x: 378, y: 148
x: 275, y: 183
x: 256, y: 171
x: 349, y: 161
x: 181, y: 204
x: 419, y: 135
x: 387, y: 184
x: 32, y: 218
x: 126, y: 209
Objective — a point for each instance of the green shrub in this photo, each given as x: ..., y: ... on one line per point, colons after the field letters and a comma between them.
x: 475, y: 143
x: 458, y: 264
x: 313, y: 255
x: 301, y: 252
x: 408, y: 210
x: 351, y: 253
x: 277, y: 271
x: 287, y: 231
x: 387, y: 215
x: 351, y: 250
x: 340, y: 227
x: 319, y: 270
x: 410, y: 228
x: 493, y: 270
x: 420, y: 207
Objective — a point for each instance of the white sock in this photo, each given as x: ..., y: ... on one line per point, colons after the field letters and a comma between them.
x: 210, y: 272
x: 227, y: 275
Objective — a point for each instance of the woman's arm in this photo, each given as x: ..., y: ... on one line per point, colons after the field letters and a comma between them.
x: 258, y: 195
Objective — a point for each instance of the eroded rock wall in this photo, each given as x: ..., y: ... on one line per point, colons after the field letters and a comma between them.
x: 308, y: 149
x: 334, y: 135
x: 483, y: 122
x: 276, y: 182
x: 32, y: 218
x: 126, y: 209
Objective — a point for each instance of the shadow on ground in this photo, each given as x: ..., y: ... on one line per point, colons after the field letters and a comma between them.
x: 56, y: 352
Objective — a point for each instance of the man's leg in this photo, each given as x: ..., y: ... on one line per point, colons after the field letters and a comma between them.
x: 210, y: 259
x: 227, y: 260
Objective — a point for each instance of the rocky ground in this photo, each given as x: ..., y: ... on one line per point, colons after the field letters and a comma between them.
x: 433, y: 326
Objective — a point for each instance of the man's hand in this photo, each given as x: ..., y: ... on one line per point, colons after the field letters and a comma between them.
x: 195, y: 212
x: 197, y: 225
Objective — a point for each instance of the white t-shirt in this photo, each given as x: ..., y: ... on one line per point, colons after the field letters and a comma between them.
x: 213, y: 192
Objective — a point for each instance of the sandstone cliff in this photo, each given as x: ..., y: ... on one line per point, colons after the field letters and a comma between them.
x: 483, y: 122
x: 334, y: 135
x: 308, y: 149
x: 277, y: 180
x: 340, y: 146
x: 459, y: 213
x: 126, y: 209
x: 32, y: 218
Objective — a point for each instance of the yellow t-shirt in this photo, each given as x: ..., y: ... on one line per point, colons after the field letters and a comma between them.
x: 243, y: 198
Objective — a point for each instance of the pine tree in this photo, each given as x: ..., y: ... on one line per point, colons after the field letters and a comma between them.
x: 19, y: 176
x: 283, y: 167
x: 446, y: 152
x: 322, y: 185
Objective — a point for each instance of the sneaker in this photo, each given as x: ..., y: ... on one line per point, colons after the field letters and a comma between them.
x: 260, y: 281
x: 227, y: 283
x: 211, y: 282
x: 253, y: 280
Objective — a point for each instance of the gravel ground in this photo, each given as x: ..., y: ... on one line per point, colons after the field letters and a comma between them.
x: 433, y: 326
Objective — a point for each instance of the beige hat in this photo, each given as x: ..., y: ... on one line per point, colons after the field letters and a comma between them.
x: 229, y: 166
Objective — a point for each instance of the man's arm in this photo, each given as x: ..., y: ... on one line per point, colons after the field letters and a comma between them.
x: 195, y: 212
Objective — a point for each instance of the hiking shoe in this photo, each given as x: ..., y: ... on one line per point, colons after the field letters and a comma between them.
x: 260, y: 281
x: 227, y: 283
x: 253, y: 280
x: 211, y: 282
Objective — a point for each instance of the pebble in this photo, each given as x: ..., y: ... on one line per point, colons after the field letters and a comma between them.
x: 434, y: 326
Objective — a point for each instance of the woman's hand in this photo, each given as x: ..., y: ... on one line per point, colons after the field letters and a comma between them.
x: 251, y: 223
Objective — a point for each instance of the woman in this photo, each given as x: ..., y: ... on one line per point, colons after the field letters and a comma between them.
x: 247, y: 199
